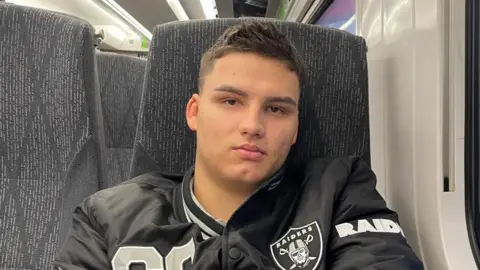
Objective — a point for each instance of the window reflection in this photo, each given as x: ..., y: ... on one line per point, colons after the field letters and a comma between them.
x: 341, y: 15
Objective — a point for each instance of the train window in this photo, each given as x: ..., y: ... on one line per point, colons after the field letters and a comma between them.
x: 341, y: 15
x: 472, y: 124
x: 338, y: 14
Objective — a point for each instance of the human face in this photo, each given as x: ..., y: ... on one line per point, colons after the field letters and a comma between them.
x: 245, y: 117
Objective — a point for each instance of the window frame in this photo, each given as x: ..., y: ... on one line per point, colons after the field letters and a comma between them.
x: 472, y: 125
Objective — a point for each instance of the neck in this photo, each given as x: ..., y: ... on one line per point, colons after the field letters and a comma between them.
x: 219, y: 197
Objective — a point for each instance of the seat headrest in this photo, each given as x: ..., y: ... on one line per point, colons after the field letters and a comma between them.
x: 121, y: 83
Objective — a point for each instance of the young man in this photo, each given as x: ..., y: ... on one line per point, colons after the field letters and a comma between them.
x: 241, y: 206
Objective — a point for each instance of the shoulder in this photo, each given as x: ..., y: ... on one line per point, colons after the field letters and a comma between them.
x: 331, y: 173
x: 142, y: 190
x: 337, y: 167
x: 334, y: 162
x: 154, y: 181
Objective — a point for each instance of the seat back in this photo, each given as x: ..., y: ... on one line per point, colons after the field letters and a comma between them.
x: 334, y: 116
x: 51, y: 131
x: 121, y: 83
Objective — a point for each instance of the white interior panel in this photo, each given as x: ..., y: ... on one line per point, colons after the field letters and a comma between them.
x: 416, y: 80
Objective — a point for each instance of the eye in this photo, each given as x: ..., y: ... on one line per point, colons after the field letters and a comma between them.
x: 230, y: 102
x: 275, y: 109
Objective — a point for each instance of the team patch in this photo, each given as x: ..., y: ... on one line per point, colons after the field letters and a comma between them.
x: 299, y: 248
x: 376, y: 225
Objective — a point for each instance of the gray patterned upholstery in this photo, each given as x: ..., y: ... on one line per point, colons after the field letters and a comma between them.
x: 51, y: 143
x: 121, y: 83
x: 333, y: 112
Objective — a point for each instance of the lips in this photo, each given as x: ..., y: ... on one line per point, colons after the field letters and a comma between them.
x: 250, y: 147
x: 250, y: 152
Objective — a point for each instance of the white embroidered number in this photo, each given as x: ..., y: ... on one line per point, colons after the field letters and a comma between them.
x: 127, y: 256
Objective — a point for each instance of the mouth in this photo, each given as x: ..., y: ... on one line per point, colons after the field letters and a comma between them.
x: 250, y: 152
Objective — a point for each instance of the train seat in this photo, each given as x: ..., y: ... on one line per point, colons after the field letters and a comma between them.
x: 121, y: 83
x: 334, y: 117
x: 51, y: 131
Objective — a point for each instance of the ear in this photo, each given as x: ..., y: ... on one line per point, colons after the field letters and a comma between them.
x: 192, y: 111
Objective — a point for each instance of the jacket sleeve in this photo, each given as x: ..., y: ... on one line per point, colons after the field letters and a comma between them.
x: 366, y: 234
x: 84, y: 247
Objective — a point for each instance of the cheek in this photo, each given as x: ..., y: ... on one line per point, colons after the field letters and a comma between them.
x: 281, y: 142
x: 213, y: 125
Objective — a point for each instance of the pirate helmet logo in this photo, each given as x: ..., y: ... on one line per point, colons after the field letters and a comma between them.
x: 299, y: 254
x: 299, y: 248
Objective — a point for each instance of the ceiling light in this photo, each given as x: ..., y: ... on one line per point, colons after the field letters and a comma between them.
x: 178, y: 10
x: 17, y: 2
x: 208, y: 7
x: 126, y: 16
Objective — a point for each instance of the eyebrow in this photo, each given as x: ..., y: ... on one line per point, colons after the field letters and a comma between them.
x: 234, y: 90
x: 231, y: 89
x: 286, y: 100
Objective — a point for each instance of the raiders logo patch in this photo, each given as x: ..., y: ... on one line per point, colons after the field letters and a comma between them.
x: 299, y: 248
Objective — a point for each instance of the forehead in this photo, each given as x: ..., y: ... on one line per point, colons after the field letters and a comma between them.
x: 254, y: 74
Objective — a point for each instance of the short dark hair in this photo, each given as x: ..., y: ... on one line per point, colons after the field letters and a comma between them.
x: 256, y: 36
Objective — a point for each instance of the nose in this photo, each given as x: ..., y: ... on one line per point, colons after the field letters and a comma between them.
x: 251, y: 124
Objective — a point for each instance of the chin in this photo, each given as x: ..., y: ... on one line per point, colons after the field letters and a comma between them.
x: 248, y: 174
x: 250, y: 180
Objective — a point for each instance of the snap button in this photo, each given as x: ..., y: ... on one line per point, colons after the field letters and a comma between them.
x: 234, y: 253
